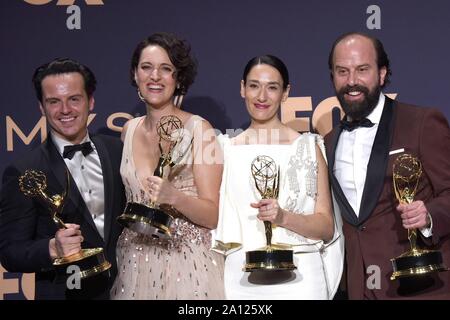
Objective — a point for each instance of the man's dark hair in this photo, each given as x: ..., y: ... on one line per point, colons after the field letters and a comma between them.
x: 60, y: 66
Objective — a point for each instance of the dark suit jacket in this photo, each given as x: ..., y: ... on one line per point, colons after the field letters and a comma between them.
x: 26, y: 226
x: 377, y: 235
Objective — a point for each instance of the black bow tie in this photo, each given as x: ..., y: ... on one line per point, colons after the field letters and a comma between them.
x: 352, y: 125
x: 69, y: 151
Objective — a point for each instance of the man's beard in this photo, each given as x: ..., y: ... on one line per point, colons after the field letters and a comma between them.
x: 359, y: 110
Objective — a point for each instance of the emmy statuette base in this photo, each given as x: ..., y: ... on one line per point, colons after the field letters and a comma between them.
x: 90, y: 261
x: 269, y: 259
x: 147, y: 221
x: 417, y: 262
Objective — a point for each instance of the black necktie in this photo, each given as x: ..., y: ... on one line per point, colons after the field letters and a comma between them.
x: 69, y: 151
x: 352, y: 125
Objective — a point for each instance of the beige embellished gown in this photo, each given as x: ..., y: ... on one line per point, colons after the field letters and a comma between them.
x: 183, y: 267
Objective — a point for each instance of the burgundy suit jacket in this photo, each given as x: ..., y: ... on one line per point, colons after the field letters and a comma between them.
x: 377, y: 234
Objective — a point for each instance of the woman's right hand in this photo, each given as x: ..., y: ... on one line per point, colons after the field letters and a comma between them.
x: 162, y: 191
x: 269, y: 210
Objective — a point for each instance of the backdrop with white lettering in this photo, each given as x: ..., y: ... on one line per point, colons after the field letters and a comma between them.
x: 224, y: 35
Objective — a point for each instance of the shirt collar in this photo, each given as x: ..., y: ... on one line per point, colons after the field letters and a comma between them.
x: 375, y: 115
x: 60, y: 143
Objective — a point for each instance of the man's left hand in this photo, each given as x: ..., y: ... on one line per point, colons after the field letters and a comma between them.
x: 414, y: 215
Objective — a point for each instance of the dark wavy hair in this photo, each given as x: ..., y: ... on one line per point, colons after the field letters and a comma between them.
x: 179, y: 52
x: 271, y: 61
x: 382, y: 57
x: 60, y: 66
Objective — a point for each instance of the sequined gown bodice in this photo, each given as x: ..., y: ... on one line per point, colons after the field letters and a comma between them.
x: 182, y: 267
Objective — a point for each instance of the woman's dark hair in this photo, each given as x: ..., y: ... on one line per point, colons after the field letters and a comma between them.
x: 382, y: 57
x: 179, y: 52
x: 271, y: 61
x: 60, y: 66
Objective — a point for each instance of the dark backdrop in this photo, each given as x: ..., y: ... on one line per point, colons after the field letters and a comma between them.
x: 224, y: 35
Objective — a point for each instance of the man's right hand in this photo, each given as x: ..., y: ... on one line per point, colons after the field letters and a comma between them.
x: 66, y: 241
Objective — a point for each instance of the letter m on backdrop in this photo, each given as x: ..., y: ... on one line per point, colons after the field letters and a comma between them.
x: 12, y: 127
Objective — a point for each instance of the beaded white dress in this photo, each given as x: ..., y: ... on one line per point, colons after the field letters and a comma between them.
x: 183, y: 267
x: 319, y: 265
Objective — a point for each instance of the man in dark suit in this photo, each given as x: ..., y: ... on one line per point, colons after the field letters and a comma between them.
x: 361, y: 154
x: 29, y: 239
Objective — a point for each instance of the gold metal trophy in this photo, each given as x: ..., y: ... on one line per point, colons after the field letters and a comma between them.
x: 272, y: 257
x: 90, y: 261
x: 407, y: 170
x: 155, y: 220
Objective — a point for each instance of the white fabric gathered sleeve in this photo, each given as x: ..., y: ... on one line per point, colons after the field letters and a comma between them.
x: 336, y: 212
x: 333, y: 251
x: 320, y: 143
x: 228, y: 235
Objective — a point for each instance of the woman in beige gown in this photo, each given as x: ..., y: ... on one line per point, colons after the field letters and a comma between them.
x: 182, y: 267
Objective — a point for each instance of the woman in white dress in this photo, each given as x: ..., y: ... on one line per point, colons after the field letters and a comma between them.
x: 302, y: 215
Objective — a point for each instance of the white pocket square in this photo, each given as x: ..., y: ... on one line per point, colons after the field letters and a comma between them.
x: 396, y: 151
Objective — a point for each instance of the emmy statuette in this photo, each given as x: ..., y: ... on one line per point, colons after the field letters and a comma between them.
x: 90, y: 261
x: 407, y: 170
x: 272, y: 257
x: 154, y: 220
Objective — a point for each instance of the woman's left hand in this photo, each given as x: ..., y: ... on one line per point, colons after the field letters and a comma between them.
x: 269, y: 210
x: 161, y: 191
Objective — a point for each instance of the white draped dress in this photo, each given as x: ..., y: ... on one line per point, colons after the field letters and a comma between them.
x: 319, y: 264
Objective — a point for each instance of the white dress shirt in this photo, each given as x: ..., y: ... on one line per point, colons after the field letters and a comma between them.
x: 352, y: 156
x: 88, y: 176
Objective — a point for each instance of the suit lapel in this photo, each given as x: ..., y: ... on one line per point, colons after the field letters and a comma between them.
x: 107, y: 182
x: 59, y: 168
x: 378, y: 161
x: 346, y: 209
